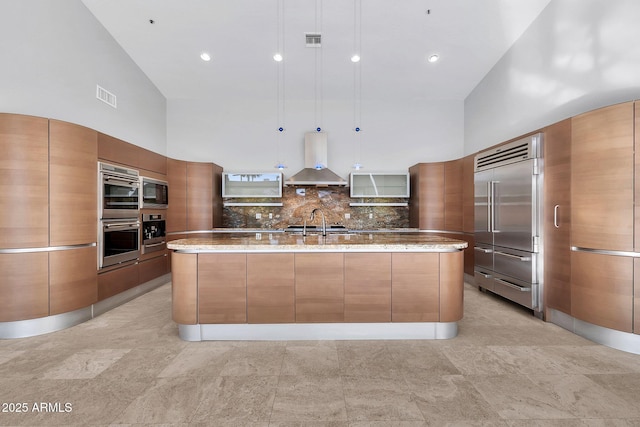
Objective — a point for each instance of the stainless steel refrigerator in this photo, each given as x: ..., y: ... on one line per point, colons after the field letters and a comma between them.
x: 508, y: 194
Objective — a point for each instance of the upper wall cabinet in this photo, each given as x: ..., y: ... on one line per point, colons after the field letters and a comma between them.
x: 602, y: 162
x: 24, y: 181
x: 387, y: 185
x: 124, y: 153
x: 252, y: 185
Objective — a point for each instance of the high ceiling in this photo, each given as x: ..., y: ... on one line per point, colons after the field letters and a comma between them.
x: 396, y: 38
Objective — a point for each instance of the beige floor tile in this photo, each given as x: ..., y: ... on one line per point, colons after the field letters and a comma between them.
x: 367, y: 359
x: 310, y: 360
x: 517, y: 397
x: 238, y: 399
x: 309, y: 398
x: 85, y: 364
x: 379, y: 399
x: 443, y: 398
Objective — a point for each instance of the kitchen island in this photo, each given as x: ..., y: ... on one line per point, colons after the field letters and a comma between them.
x: 286, y: 286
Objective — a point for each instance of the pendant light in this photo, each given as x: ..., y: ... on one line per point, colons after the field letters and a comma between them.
x: 280, y: 107
x: 357, y: 82
x: 318, y: 81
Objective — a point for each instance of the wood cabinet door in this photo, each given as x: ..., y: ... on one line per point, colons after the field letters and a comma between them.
x: 184, y: 288
x: 73, y: 184
x: 24, y: 181
x: 451, y: 286
x: 557, y: 216
x: 367, y: 287
x: 113, y: 282
x: 199, y: 196
x: 636, y: 296
x: 319, y: 287
x: 271, y: 288
x: 427, y: 202
x: 602, y: 290
x: 73, y: 279
x: 177, y: 209
x: 636, y: 239
x: 468, y: 194
x: 453, y: 207
x: 222, y: 288
x: 153, y: 268
x: 415, y: 295
x: 24, y: 287
x: 602, y: 162
x: 114, y: 150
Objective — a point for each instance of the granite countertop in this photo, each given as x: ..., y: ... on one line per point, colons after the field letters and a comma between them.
x: 265, y: 241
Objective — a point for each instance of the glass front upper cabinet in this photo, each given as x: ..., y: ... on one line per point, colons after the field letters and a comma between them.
x: 380, y: 185
x: 252, y: 184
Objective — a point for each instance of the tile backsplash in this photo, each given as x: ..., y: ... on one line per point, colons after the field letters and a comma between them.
x: 298, y: 202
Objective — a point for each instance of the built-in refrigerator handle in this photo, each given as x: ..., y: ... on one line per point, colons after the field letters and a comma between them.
x: 556, y: 224
x: 489, y: 204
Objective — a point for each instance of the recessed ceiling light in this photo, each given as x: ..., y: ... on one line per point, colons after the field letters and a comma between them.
x: 433, y: 58
x: 205, y: 56
x: 277, y: 57
x: 355, y: 58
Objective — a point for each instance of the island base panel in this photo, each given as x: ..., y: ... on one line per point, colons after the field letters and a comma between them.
x: 319, y: 331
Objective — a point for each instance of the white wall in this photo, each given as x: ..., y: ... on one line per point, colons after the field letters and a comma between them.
x: 241, y: 134
x: 577, y: 56
x: 52, y: 56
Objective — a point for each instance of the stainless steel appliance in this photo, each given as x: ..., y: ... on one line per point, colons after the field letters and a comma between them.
x: 118, y: 191
x: 153, y: 233
x: 508, y: 184
x: 155, y: 193
x: 119, y: 241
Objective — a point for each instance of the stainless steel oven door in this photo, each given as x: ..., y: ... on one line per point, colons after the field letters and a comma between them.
x: 119, y: 241
x: 119, y: 192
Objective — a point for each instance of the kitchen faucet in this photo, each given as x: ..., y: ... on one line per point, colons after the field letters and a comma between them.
x: 311, y: 218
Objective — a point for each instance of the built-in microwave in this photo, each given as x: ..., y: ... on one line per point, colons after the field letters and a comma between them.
x: 155, y: 193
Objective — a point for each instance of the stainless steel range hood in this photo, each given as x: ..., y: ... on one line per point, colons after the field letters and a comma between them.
x: 315, y: 170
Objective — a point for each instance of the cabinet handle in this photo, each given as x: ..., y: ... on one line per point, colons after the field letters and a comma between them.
x: 483, y: 250
x: 512, y: 286
x: 518, y: 257
x: 555, y: 216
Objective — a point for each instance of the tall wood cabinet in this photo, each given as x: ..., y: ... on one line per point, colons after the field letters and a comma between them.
x: 602, y: 216
x: 24, y: 181
x: 557, y: 216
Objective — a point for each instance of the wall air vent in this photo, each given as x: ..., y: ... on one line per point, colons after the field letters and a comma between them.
x: 313, y: 39
x: 516, y: 151
x: 105, y: 96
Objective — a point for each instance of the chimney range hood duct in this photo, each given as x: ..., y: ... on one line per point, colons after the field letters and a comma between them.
x: 315, y: 170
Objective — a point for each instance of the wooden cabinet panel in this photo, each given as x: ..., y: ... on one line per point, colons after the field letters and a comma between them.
x: 367, y: 287
x: 24, y: 286
x: 119, y: 280
x: 468, y: 196
x: 199, y: 196
x: 602, y: 290
x: 24, y: 181
x: 116, y: 150
x: 222, y: 288
x: 319, y: 287
x: 556, y: 216
x: 73, y: 184
x: 453, y: 207
x: 415, y: 290
x: 451, y: 286
x: 177, y: 209
x: 636, y: 296
x: 602, y: 178
x: 153, y: 268
x: 217, y: 196
x: 427, y: 202
x: 271, y: 288
x: 184, y: 288
x: 636, y: 144
x: 72, y: 279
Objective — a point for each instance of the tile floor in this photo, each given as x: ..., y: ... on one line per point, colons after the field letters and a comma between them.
x: 129, y: 368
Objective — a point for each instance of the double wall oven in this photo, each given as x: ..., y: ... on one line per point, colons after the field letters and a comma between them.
x: 119, y: 212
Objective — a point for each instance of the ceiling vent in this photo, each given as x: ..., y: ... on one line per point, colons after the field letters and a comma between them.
x: 313, y: 39
x: 105, y: 96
